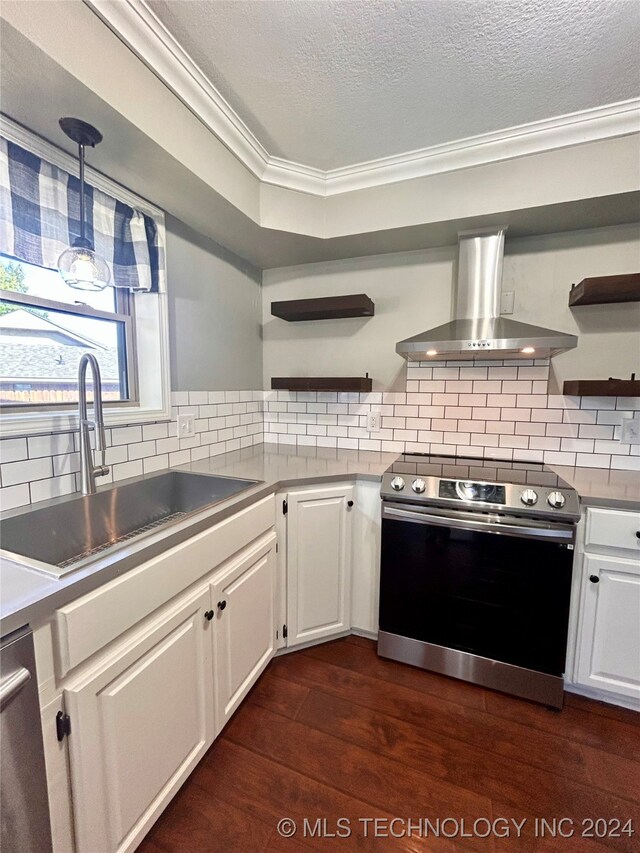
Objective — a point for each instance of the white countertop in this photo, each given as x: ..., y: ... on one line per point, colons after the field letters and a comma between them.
x: 26, y: 595
x: 602, y: 486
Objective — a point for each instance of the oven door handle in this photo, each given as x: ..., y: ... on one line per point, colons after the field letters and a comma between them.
x: 513, y: 527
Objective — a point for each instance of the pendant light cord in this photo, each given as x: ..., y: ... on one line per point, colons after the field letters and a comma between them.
x: 81, y: 160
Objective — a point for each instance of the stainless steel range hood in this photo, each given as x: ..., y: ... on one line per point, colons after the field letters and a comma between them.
x: 478, y: 330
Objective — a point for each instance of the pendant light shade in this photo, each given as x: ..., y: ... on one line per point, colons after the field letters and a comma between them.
x: 79, y: 265
x: 82, y: 269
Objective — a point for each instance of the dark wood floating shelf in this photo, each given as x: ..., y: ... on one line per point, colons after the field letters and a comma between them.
x: 602, y: 388
x: 324, y: 308
x: 606, y: 289
x: 321, y: 383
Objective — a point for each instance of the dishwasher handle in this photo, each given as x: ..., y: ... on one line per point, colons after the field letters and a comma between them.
x: 12, y: 684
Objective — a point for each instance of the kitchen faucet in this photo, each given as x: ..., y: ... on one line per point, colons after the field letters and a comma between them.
x: 89, y: 471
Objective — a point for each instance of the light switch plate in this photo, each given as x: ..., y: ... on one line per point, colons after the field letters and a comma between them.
x: 186, y: 426
x: 630, y: 432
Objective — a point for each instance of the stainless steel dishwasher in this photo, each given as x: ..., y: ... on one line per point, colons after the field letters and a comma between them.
x: 23, y: 786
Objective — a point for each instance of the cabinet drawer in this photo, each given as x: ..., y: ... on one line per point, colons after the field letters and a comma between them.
x: 612, y: 528
x: 87, y: 625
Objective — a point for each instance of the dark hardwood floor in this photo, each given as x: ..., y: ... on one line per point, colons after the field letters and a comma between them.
x: 336, y: 732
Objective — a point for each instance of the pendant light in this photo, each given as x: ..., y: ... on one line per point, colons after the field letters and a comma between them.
x: 79, y: 265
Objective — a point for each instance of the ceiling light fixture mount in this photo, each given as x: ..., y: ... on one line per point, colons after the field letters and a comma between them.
x: 79, y: 265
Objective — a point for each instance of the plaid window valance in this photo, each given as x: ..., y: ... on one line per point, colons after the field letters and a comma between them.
x: 40, y: 218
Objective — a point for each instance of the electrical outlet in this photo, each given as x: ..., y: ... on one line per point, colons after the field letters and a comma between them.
x: 631, y: 430
x: 373, y: 422
x: 186, y: 426
x: 506, y: 304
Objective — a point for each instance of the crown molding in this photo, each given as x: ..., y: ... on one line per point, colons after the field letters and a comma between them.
x: 137, y: 26
x: 141, y: 30
x: 592, y: 125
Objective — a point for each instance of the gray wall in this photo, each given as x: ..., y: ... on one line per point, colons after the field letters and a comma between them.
x: 413, y: 292
x: 214, y: 314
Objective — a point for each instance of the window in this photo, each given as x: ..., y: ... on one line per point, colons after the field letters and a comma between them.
x: 45, y: 326
x: 45, y: 329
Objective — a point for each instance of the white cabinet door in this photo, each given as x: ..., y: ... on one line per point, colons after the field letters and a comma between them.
x: 319, y: 558
x: 243, y: 598
x: 609, y: 652
x: 140, y: 722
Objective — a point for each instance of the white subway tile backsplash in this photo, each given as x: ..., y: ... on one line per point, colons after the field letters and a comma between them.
x: 544, y: 443
x: 127, y: 469
x: 473, y: 372
x: 600, y: 431
x: 563, y: 430
x: 50, y: 445
x: 597, y: 402
x: 198, y: 398
x: 26, y: 471
x: 457, y: 412
x: 44, y: 490
x: 488, y: 409
x: 577, y: 445
x: 554, y: 458
x: 473, y: 400
x: 126, y: 435
x: 615, y: 448
x: 500, y: 427
x: 487, y: 386
x: 13, y: 450
x: 626, y: 463
x: 153, y: 431
x: 179, y: 457
x: 141, y: 450
x: 431, y: 412
x: 12, y: 497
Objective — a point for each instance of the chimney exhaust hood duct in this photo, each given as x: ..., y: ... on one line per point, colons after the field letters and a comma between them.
x: 478, y: 330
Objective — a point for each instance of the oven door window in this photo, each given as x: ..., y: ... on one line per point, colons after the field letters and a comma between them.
x: 497, y: 596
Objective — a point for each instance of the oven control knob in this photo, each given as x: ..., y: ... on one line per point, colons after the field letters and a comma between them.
x: 397, y: 484
x: 419, y: 486
x: 556, y: 500
x: 529, y: 497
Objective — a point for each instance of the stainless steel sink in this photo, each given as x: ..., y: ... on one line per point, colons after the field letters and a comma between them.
x: 65, y: 535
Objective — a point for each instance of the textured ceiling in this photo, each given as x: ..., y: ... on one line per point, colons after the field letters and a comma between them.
x: 330, y: 83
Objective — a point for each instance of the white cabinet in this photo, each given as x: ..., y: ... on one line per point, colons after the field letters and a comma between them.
x: 243, y: 600
x: 607, y: 661
x: 609, y: 646
x: 141, y: 719
x: 318, y: 562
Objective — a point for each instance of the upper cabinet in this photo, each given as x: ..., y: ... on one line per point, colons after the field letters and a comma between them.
x: 605, y: 289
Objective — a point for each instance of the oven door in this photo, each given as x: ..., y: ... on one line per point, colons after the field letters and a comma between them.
x: 493, y: 586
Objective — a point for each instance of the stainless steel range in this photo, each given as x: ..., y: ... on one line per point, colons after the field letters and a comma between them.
x: 476, y: 567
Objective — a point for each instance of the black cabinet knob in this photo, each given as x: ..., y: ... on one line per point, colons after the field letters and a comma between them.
x: 349, y: 503
x: 637, y: 534
x: 594, y: 578
x: 208, y: 615
x: 222, y: 605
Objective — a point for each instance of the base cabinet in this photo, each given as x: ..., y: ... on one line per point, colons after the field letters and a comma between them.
x: 140, y: 723
x: 143, y: 715
x: 243, y: 600
x: 609, y: 644
x: 318, y: 562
